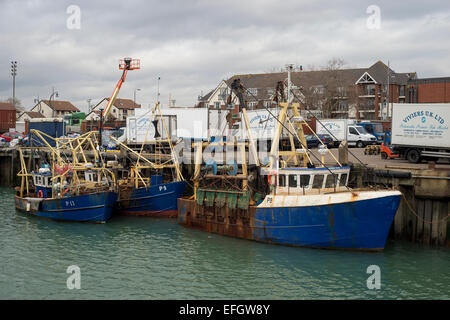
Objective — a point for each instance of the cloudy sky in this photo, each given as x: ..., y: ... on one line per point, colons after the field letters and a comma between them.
x: 192, y: 45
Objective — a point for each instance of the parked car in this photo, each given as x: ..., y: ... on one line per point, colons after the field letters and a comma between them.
x: 8, y: 136
x: 3, y: 143
x: 313, y: 142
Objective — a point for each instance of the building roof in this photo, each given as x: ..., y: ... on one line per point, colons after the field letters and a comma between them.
x: 7, y: 106
x: 379, y: 71
x: 266, y: 82
x: 125, y: 104
x: 206, y: 96
x: 33, y: 114
x: 429, y: 80
x: 59, y: 105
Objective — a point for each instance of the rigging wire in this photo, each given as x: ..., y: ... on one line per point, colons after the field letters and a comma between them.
x: 296, y: 135
x: 334, y: 137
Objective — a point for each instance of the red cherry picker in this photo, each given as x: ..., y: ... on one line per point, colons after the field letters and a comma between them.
x: 125, y: 64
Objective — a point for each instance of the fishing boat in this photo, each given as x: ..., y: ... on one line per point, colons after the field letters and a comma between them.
x: 285, y: 201
x: 65, y: 190
x: 155, y: 181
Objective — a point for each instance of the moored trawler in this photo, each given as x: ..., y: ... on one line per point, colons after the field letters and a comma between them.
x: 285, y: 203
x: 69, y: 191
x: 158, y: 199
x: 302, y: 211
x: 153, y: 185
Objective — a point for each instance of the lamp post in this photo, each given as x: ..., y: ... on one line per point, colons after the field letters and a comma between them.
x: 89, y: 104
x: 54, y: 94
x: 14, y: 73
x: 157, y: 97
x: 100, y: 129
x: 135, y: 95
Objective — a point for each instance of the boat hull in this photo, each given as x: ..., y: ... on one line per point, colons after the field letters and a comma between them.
x: 94, y: 207
x: 357, y: 221
x: 157, y: 201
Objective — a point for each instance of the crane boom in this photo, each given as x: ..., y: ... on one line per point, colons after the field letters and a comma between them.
x: 125, y: 64
x: 238, y: 89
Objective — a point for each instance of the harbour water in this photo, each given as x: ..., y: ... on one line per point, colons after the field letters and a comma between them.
x: 150, y: 258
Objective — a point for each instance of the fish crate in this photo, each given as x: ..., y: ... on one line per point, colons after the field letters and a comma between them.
x: 372, y: 150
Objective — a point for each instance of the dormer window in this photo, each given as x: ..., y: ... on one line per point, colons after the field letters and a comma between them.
x: 252, y: 91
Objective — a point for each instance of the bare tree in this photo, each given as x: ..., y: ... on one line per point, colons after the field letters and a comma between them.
x: 353, y: 100
x: 16, y: 103
x: 330, y: 89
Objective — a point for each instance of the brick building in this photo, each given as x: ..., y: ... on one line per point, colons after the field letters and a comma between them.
x: 7, y: 116
x: 359, y: 93
x: 428, y: 90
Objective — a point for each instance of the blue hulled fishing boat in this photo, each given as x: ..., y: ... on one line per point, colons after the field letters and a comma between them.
x: 92, y: 207
x: 289, y: 200
x: 68, y: 191
x: 158, y: 199
x: 155, y: 181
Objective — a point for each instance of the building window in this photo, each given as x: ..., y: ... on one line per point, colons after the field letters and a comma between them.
x: 342, y: 91
x: 402, y: 91
x: 252, y: 104
x: 223, y: 93
x: 343, y: 105
x: 252, y: 91
x: 217, y: 105
x: 318, y: 89
x: 370, y: 90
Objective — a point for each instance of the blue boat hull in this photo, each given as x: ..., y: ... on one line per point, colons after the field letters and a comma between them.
x: 94, y: 207
x: 157, y: 200
x: 357, y: 225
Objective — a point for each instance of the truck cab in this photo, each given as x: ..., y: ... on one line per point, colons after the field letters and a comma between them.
x: 376, y: 129
x: 359, y: 137
x: 345, y: 129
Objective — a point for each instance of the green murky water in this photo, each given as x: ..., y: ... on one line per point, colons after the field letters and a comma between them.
x: 145, y: 258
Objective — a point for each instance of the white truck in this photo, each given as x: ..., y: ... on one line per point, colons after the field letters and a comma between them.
x: 190, y: 123
x: 420, y: 131
x: 345, y: 129
x: 262, y: 124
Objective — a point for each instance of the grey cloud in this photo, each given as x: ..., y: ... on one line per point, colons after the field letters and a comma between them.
x: 192, y: 45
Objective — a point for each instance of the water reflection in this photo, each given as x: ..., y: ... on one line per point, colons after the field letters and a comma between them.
x: 145, y: 258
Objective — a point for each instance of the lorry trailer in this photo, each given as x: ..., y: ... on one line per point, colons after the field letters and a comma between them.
x: 420, y: 131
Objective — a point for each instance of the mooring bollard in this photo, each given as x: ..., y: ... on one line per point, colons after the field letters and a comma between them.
x: 343, y: 153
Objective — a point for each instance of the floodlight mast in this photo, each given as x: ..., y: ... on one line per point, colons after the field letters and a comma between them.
x: 125, y: 64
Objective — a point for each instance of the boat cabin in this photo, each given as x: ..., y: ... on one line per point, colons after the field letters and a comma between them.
x: 311, y: 180
x: 90, y: 176
x: 43, y: 182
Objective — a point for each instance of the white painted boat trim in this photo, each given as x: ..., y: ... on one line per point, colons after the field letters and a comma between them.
x: 281, y: 201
